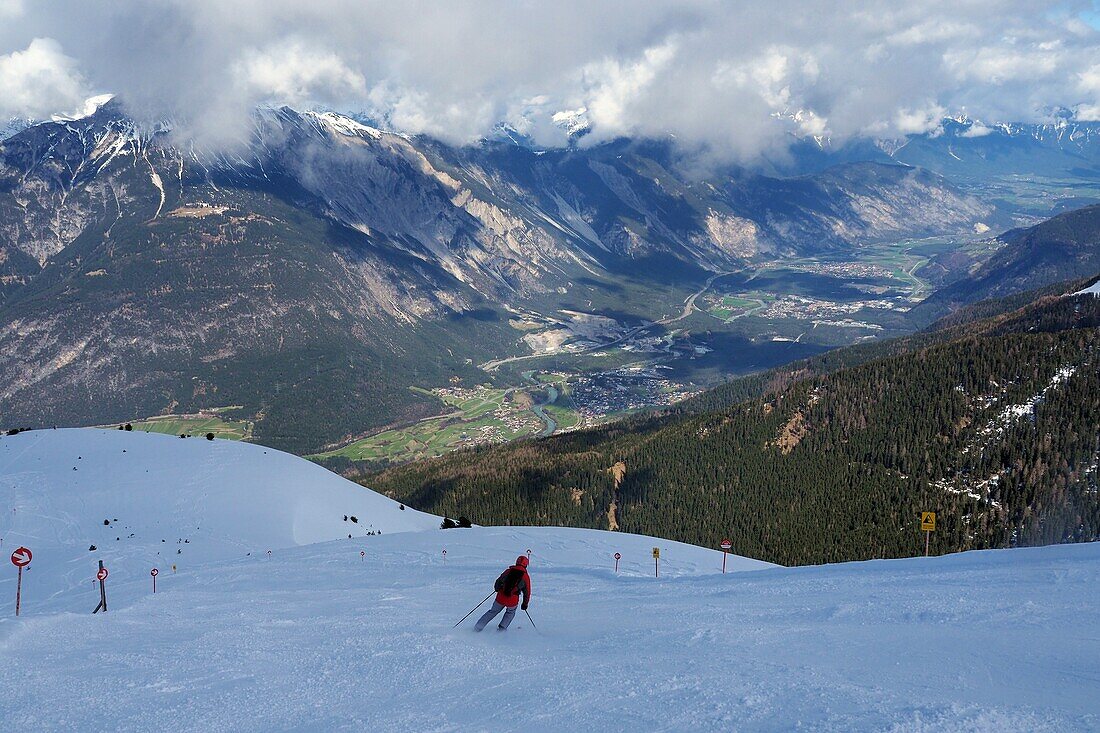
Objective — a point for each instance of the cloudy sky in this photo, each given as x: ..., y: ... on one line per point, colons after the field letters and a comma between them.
x: 732, y: 77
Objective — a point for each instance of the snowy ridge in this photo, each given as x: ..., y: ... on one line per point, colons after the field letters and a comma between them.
x: 144, y: 499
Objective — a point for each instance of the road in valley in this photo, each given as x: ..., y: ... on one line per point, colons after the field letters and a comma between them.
x: 689, y: 308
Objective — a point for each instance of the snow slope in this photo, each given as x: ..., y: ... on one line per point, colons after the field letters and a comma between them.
x: 170, y: 501
x: 316, y: 638
x: 1093, y: 289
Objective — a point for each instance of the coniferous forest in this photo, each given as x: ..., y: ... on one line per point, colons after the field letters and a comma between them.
x: 990, y: 418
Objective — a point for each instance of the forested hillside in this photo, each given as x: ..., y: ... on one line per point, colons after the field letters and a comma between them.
x: 1063, y: 247
x: 994, y: 424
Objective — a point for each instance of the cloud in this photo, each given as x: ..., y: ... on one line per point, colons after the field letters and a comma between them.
x: 977, y: 130
x: 39, y: 81
x: 295, y: 74
x: 734, y: 79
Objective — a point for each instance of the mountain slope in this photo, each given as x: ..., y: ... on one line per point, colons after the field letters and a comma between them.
x: 317, y: 638
x: 315, y: 272
x: 995, y: 427
x: 143, y: 500
x: 357, y: 633
x: 1064, y: 247
x: 178, y: 286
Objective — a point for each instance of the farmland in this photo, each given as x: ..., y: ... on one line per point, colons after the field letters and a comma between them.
x: 220, y: 426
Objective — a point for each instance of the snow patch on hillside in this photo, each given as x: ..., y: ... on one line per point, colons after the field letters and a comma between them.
x: 1093, y: 289
x: 1011, y: 413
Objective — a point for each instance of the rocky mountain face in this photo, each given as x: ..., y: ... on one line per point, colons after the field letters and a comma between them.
x: 313, y: 272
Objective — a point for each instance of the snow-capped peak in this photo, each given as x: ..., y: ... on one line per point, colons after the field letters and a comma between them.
x: 90, y: 107
x: 573, y: 121
x: 343, y: 125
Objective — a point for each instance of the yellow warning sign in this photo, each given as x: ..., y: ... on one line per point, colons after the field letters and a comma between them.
x: 928, y: 521
x: 656, y: 552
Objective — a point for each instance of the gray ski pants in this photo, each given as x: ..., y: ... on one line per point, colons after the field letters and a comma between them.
x: 493, y: 611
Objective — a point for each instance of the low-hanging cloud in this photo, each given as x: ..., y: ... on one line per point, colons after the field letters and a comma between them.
x: 735, y: 79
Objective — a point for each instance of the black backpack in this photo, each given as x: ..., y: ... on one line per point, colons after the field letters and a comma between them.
x: 509, y: 581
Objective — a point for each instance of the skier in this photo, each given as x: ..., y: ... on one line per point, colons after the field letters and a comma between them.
x: 511, y: 583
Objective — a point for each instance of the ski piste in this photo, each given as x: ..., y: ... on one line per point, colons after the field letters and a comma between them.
x: 329, y: 639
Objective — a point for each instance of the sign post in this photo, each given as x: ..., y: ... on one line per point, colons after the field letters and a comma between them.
x: 928, y: 526
x: 726, y: 546
x: 101, y: 576
x: 444, y: 556
x: 656, y: 560
x: 362, y: 554
x: 617, y: 558
x: 21, y: 558
x: 154, y: 572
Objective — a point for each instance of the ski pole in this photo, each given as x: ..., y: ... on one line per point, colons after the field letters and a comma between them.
x: 473, y: 609
x: 536, y: 628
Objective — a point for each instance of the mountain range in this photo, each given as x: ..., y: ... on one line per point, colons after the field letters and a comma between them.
x: 309, y: 275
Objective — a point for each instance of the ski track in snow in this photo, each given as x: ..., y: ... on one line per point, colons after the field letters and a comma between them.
x: 316, y: 638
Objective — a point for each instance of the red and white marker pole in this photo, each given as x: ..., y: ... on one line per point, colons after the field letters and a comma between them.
x: 617, y: 558
x: 726, y: 546
x: 154, y: 572
x: 21, y: 558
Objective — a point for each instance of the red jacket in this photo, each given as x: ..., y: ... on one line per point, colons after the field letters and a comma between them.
x: 523, y: 587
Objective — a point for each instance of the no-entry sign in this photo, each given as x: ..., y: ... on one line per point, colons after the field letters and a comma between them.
x: 101, y: 575
x: 21, y: 558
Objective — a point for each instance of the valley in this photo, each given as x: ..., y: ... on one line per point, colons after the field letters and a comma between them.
x: 367, y: 298
x: 989, y: 418
x: 603, y: 367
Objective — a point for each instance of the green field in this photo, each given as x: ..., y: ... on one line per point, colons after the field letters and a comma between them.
x: 726, y: 306
x: 196, y: 425
x: 480, y: 415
